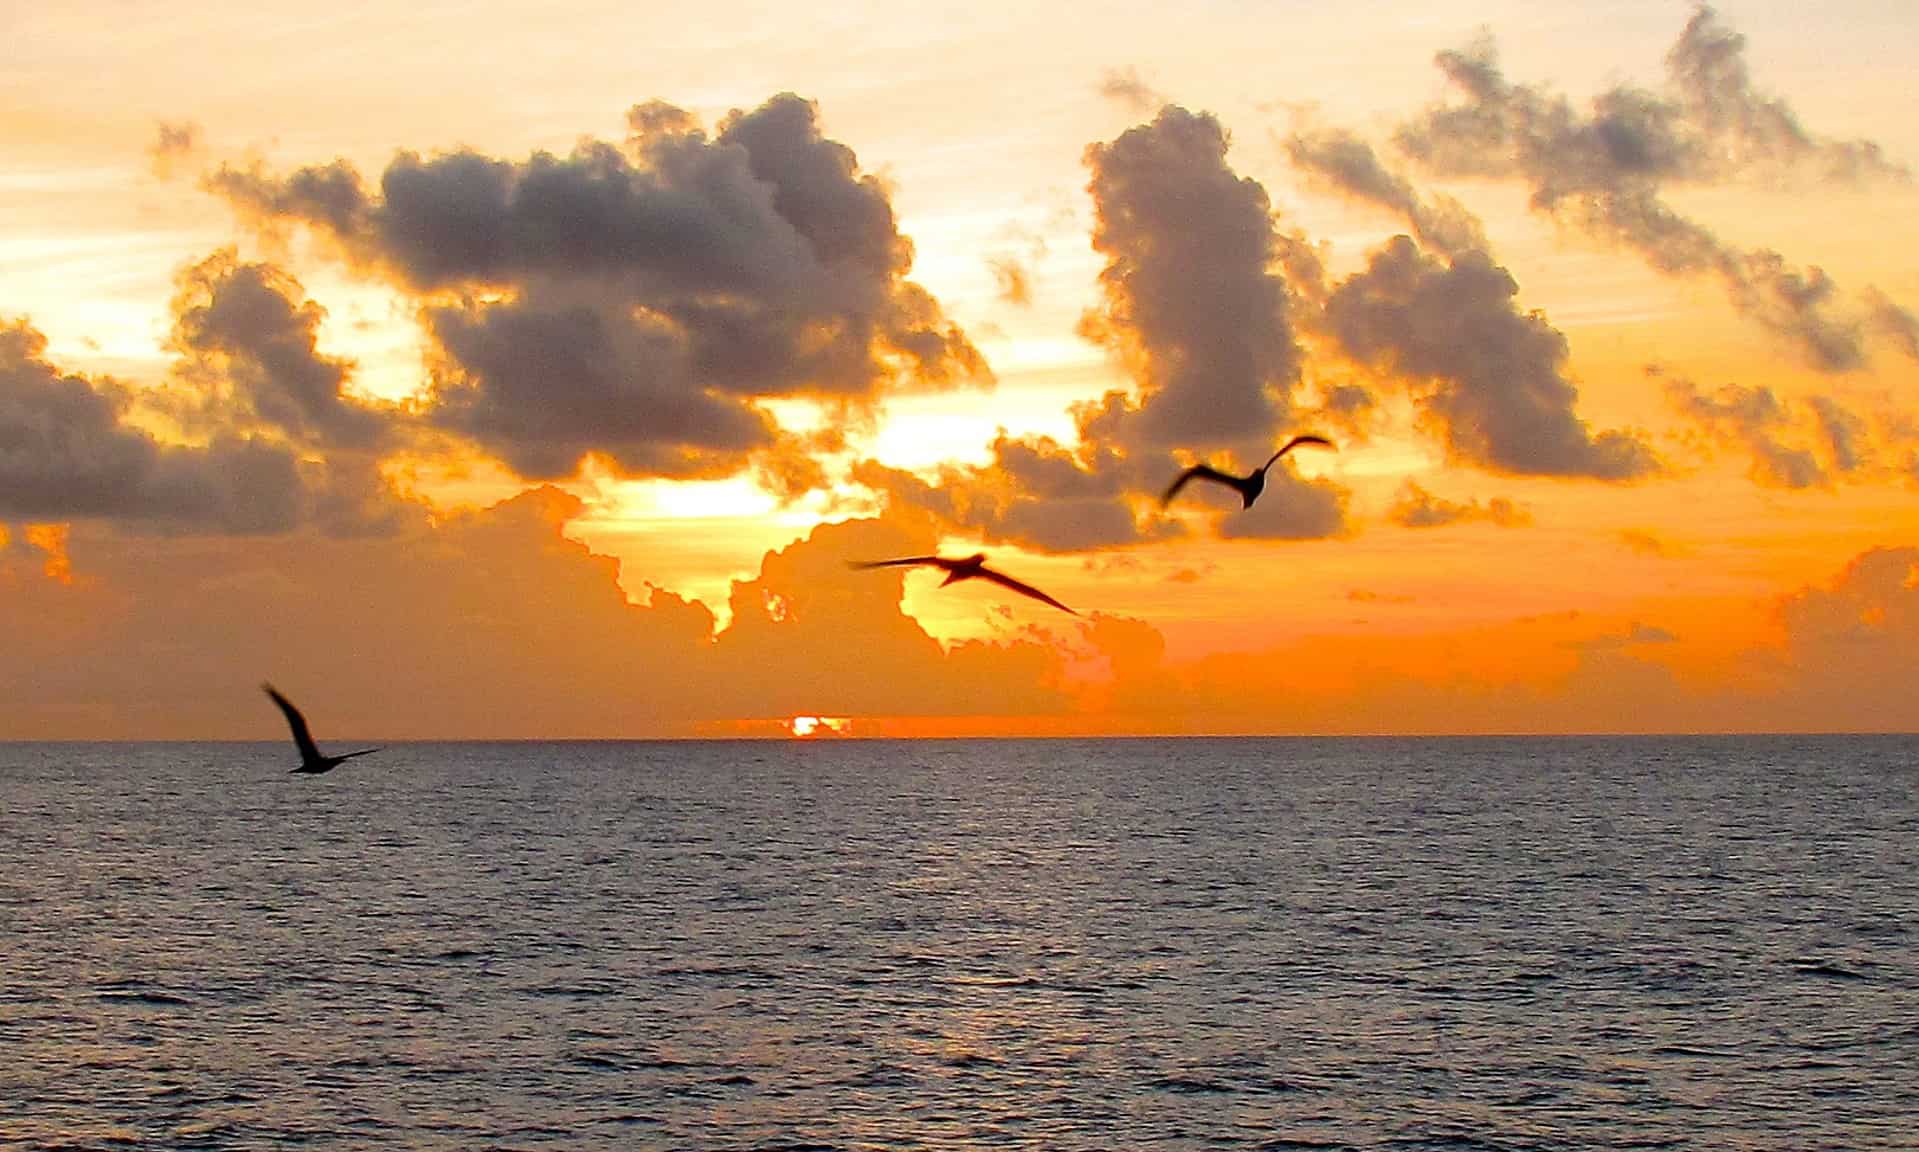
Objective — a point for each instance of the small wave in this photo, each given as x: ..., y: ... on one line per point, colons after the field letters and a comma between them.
x: 573, y: 991
x: 1687, y: 1050
x: 1828, y: 970
x: 156, y: 998
x: 882, y: 1076
x: 1188, y: 1085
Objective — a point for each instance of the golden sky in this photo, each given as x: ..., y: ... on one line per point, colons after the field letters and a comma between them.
x: 477, y: 371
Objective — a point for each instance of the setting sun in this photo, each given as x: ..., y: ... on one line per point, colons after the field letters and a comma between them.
x: 819, y: 725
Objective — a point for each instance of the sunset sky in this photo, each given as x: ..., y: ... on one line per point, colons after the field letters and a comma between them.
x: 498, y: 371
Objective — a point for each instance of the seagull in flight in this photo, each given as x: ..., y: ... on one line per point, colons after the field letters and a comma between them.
x: 1248, y: 487
x: 311, y: 762
x: 969, y: 568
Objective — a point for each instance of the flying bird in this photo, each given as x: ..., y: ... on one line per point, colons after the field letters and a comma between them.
x: 1248, y: 487
x: 312, y: 763
x: 970, y: 568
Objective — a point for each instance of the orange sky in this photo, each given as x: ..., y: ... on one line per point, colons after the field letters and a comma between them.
x: 476, y: 374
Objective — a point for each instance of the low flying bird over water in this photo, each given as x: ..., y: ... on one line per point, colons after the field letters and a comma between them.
x: 1248, y: 487
x: 312, y: 763
x: 969, y: 568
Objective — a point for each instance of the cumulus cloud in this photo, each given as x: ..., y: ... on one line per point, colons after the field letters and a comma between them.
x: 1757, y: 421
x: 1606, y: 170
x: 698, y: 272
x: 70, y: 450
x: 1853, y: 647
x: 1292, y: 508
x: 1192, y: 303
x: 543, y: 383
x: 1508, y: 404
x: 1896, y: 324
x: 1494, y: 377
x: 1350, y: 167
x: 1740, y: 127
x: 1196, y: 308
x: 254, y: 431
x: 1035, y: 493
x: 250, y: 347
x: 488, y: 623
x: 1415, y: 507
x: 1843, y: 432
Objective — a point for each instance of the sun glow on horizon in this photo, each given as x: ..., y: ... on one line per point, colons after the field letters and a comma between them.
x: 816, y: 727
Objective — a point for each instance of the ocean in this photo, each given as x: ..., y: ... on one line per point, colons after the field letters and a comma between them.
x: 1104, y: 944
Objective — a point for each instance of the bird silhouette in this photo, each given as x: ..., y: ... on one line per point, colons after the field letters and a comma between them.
x: 970, y: 568
x: 312, y: 763
x: 1248, y: 487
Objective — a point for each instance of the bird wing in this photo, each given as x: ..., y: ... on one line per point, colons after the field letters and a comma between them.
x: 1023, y: 589
x: 903, y: 561
x: 1296, y: 441
x: 302, y: 738
x: 1198, y: 472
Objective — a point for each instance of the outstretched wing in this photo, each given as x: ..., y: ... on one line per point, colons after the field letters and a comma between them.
x: 903, y: 561
x: 1317, y: 441
x: 1197, y: 472
x: 1024, y: 589
x: 302, y: 738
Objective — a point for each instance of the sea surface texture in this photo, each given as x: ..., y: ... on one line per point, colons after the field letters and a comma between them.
x: 1178, y: 944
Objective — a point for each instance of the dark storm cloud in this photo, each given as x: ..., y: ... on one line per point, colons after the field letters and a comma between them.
x: 1415, y: 507
x: 1499, y: 393
x: 1605, y: 170
x: 68, y: 452
x: 1750, y: 418
x: 1351, y: 167
x: 754, y: 262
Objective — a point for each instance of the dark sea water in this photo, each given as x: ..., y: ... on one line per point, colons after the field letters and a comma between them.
x: 1194, y: 944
